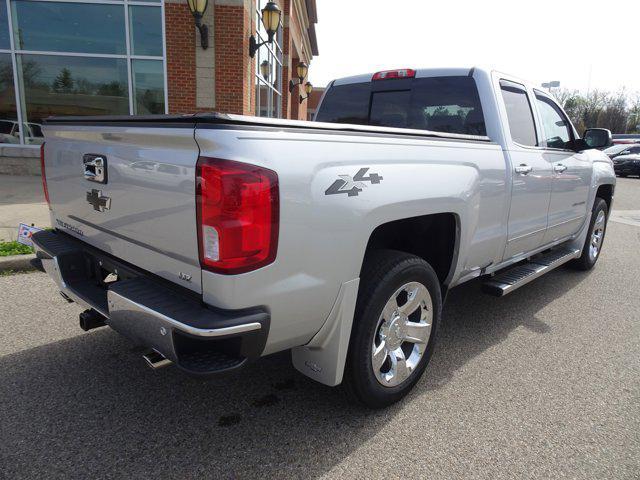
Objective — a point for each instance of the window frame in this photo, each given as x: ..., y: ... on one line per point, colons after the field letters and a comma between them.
x: 274, y: 55
x: 14, y: 51
x: 572, y: 131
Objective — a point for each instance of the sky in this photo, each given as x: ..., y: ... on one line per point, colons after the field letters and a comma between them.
x: 583, y: 44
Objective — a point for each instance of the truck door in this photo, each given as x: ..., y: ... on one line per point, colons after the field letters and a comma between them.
x: 530, y: 172
x: 571, y: 171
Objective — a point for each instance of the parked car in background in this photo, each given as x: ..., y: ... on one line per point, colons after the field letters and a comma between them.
x: 625, y: 165
x: 10, y: 132
x: 625, y: 138
x: 622, y: 149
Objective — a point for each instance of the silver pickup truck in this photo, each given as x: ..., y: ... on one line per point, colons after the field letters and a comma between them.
x: 212, y: 240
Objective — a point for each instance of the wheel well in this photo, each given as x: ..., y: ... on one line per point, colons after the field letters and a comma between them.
x: 430, y: 237
x: 605, y: 192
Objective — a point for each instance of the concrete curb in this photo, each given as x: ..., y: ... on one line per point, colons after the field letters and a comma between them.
x: 19, y: 262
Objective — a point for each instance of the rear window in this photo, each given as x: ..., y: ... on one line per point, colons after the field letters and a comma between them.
x: 441, y: 104
x: 6, y: 127
x: 346, y: 104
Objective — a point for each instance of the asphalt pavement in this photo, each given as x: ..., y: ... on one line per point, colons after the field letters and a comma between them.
x: 543, y: 383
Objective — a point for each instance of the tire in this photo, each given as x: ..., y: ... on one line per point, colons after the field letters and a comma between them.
x: 591, y: 251
x: 403, y: 334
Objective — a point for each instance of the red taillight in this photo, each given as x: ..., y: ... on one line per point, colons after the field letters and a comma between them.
x: 44, y: 176
x: 238, y: 215
x: 387, y: 74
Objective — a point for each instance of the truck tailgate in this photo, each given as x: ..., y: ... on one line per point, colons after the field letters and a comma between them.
x: 140, y: 206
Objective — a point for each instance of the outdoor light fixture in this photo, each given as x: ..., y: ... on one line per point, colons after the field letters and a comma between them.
x: 307, y: 88
x: 271, y: 14
x: 550, y: 85
x: 301, y: 70
x: 198, y: 8
x: 264, y: 69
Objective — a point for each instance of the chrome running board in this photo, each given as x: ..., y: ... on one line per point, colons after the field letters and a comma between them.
x: 515, y: 277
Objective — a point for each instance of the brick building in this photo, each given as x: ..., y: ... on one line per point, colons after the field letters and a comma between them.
x: 313, y: 101
x: 105, y: 57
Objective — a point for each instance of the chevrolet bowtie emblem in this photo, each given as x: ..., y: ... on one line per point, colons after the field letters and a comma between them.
x: 100, y: 203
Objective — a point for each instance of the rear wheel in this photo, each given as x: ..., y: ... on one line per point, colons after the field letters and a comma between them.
x: 595, y: 238
x: 397, y: 315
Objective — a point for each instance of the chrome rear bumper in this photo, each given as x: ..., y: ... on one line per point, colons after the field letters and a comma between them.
x: 198, y: 338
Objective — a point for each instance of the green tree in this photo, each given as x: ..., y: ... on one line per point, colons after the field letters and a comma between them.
x: 63, y: 83
x: 614, y: 114
x: 114, y: 89
x: 633, y: 122
x: 618, y: 112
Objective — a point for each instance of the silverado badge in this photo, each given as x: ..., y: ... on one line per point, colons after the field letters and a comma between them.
x: 353, y: 185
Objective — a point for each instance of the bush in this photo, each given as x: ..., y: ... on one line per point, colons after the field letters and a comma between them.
x: 13, y: 248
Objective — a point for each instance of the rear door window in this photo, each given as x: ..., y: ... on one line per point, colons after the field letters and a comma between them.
x: 519, y: 113
x: 440, y: 104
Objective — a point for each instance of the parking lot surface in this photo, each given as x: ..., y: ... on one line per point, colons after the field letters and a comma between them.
x: 543, y: 383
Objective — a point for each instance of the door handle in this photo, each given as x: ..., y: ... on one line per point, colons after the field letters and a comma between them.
x: 523, y: 169
x: 559, y: 168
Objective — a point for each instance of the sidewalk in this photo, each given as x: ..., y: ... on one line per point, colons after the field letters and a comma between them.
x: 21, y: 201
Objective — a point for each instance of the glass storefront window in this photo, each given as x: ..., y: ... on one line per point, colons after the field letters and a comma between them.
x: 69, y: 27
x: 74, y: 58
x: 9, y: 126
x: 148, y: 86
x: 146, y: 30
x: 59, y: 85
x: 268, y: 91
x: 4, y: 27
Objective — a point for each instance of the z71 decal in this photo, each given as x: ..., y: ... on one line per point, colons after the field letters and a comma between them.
x: 353, y: 185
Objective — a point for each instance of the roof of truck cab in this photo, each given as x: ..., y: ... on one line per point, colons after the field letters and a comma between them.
x: 420, y: 72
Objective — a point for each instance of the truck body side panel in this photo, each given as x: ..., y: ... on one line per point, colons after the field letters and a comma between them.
x: 324, y: 233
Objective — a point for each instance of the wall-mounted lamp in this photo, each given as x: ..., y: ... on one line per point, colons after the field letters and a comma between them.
x: 198, y: 8
x: 265, y: 69
x: 271, y: 14
x: 301, y: 70
x: 307, y: 88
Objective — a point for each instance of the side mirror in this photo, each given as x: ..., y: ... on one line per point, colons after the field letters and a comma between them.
x: 597, y: 138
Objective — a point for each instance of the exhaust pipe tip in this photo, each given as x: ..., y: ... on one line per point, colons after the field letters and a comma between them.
x: 90, y: 319
x: 156, y: 360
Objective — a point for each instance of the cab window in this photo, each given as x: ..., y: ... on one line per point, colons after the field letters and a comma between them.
x: 556, y: 128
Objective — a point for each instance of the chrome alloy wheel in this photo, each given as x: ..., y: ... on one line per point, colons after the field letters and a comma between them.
x: 402, y: 334
x: 597, y: 235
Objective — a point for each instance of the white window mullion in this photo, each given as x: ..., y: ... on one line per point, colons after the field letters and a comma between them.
x: 129, y: 65
x: 16, y: 81
x: 164, y: 60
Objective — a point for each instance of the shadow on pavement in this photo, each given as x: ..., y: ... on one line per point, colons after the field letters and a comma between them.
x: 87, y: 407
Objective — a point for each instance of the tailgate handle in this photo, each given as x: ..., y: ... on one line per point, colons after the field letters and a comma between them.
x: 95, y: 167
